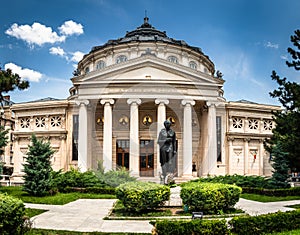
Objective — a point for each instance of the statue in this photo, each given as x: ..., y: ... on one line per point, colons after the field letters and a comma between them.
x: 167, y: 144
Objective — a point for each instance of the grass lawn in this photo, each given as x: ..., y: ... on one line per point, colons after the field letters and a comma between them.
x: 57, y: 199
x: 33, y: 212
x: 262, y: 198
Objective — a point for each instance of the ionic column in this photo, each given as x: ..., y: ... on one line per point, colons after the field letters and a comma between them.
x: 134, y: 147
x: 161, y: 117
x: 187, y: 137
x: 210, y: 159
x: 82, y: 135
x: 246, y: 157
x: 107, y: 133
x: 261, y: 157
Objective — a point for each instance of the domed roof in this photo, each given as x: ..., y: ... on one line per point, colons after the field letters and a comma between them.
x: 146, y: 33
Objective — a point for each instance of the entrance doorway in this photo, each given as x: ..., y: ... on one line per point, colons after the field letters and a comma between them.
x: 123, y: 153
x: 147, y: 158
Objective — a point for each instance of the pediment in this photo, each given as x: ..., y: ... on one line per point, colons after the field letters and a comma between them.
x: 147, y: 70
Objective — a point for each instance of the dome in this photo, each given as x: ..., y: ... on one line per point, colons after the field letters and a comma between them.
x: 146, y: 33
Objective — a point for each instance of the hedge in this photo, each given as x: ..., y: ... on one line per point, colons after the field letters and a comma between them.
x: 210, y: 198
x: 97, y: 190
x: 140, y: 196
x: 273, y: 192
x: 12, y: 216
x: 199, y: 227
x: 269, y: 223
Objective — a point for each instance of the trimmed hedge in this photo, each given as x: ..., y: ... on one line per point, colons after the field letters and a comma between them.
x: 140, y: 196
x: 12, y: 215
x: 275, y: 222
x: 97, y: 190
x: 274, y: 192
x: 210, y: 198
x: 199, y: 227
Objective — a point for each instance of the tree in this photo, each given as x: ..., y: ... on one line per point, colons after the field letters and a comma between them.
x: 287, y: 130
x: 9, y: 81
x: 280, y: 166
x: 38, y: 168
x: 3, y: 143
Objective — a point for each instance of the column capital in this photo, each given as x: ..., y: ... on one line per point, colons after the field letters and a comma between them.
x: 110, y: 101
x: 230, y: 138
x: 82, y: 102
x: 162, y: 101
x: 247, y: 139
x: 185, y: 102
x: 134, y: 100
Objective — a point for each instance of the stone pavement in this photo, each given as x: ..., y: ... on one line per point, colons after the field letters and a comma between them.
x: 86, y: 215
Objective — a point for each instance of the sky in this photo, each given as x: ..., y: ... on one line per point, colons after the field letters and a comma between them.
x: 43, y: 41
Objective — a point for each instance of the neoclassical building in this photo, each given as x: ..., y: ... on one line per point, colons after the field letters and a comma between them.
x: 122, y: 93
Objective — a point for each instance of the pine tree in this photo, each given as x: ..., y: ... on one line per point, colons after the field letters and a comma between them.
x: 280, y: 166
x: 38, y: 168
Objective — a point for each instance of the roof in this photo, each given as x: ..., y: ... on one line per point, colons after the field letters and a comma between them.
x: 147, y: 33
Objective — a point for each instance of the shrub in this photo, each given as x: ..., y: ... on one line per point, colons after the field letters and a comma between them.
x: 114, y: 178
x: 140, y: 196
x: 12, y: 216
x: 262, y: 224
x: 284, y: 192
x: 74, y: 178
x: 199, y: 227
x: 210, y: 198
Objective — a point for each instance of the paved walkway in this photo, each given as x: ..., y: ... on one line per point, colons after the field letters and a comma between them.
x: 86, y: 215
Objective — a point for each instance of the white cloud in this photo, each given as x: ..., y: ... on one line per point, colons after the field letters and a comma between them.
x: 57, y: 51
x: 271, y: 45
x: 70, y: 27
x: 77, y: 56
x: 24, y: 73
x: 284, y: 57
x: 36, y: 34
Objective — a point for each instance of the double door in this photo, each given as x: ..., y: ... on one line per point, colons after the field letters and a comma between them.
x: 146, y: 158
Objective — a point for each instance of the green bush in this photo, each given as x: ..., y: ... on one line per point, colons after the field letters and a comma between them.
x: 140, y: 196
x: 12, y: 216
x: 284, y: 192
x: 74, y: 178
x: 210, y: 198
x: 199, y: 227
x: 114, y: 178
x: 275, y: 222
x: 96, y: 190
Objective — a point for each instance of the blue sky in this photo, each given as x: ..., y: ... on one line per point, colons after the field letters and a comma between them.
x: 43, y: 40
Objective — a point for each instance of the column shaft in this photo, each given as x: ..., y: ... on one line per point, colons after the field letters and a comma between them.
x: 134, y: 147
x: 261, y: 157
x: 82, y: 136
x: 187, y: 137
x: 107, y: 134
x: 246, y: 156
x: 161, y: 117
x: 230, y: 155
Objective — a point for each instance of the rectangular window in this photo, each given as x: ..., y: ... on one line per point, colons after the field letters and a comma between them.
x: 75, y: 138
x: 219, y: 138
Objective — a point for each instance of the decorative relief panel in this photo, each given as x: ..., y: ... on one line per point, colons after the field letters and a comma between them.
x: 237, y: 123
x: 55, y: 121
x: 268, y: 125
x: 25, y: 122
x: 253, y: 124
x: 40, y: 122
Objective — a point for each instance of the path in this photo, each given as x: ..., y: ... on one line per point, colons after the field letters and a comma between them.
x: 86, y: 215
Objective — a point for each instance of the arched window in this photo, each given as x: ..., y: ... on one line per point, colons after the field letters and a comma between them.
x: 100, y: 65
x: 121, y: 59
x: 193, y: 65
x: 173, y: 59
x: 87, y: 70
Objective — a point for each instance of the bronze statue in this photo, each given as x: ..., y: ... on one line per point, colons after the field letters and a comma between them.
x: 167, y: 144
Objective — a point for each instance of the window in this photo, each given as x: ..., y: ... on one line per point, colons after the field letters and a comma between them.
x: 25, y: 122
x: 121, y: 59
x: 87, y: 70
x: 237, y: 122
x: 173, y: 59
x: 40, y: 122
x: 219, y: 138
x: 100, y: 65
x: 193, y: 65
x: 253, y: 124
x: 55, y: 121
x: 268, y: 125
x: 75, y: 138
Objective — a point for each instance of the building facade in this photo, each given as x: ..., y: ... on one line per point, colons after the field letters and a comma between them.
x: 122, y: 93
